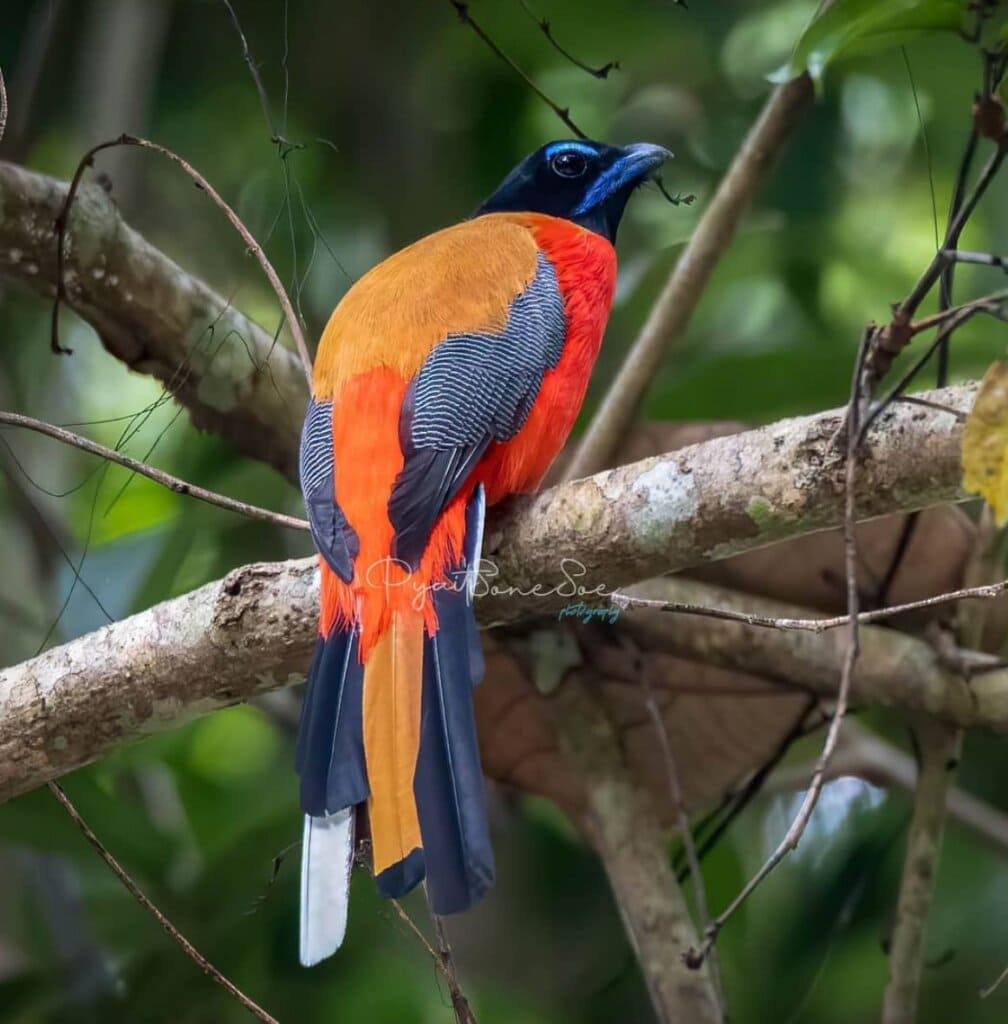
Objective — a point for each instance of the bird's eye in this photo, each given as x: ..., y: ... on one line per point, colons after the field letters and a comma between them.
x: 568, y: 163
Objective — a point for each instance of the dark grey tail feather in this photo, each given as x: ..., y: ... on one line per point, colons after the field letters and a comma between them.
x: 330, y: 748
x: 448, y: 785
x: 403, y: 876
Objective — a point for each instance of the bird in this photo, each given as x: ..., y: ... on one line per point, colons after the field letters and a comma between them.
x: 448, y: 378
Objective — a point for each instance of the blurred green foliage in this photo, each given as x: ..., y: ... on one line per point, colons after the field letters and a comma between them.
x: 395, y: 120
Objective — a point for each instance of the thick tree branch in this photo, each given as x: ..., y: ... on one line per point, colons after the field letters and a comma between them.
x: 154, y: 316
x: 894, y: 669
x: 715, y: 499
x: 625, y: 830
x: 254, y: 630
x: 227, y: 641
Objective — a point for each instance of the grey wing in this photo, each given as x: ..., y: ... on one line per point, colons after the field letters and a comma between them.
x: 335, y: 539
x: 471, y: 391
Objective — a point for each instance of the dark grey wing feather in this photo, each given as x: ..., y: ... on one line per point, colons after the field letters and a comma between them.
x: 473, y: 390
x: 335, y: 538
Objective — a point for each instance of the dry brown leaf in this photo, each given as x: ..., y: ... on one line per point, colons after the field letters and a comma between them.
x: 721, y: 725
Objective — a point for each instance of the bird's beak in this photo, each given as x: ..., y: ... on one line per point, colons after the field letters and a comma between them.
x: 641, y: 160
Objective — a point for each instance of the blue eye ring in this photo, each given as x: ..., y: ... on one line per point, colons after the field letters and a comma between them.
x: 568, y: 163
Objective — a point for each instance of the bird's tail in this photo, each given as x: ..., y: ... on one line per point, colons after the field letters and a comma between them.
x: 391, y: 745
x: 398, y: 732
x: 449, y: 778
x: 330, y: 760
x: 427, y: 807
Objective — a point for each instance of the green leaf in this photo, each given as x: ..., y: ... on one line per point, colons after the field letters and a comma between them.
x: 853, y: 27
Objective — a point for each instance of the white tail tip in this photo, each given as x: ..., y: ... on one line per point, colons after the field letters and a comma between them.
x: 326, y: 861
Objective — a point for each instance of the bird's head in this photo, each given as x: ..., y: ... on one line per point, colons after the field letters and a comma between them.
x: 586, y: 182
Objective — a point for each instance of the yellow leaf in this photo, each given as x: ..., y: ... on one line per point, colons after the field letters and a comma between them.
x: 985, y: 442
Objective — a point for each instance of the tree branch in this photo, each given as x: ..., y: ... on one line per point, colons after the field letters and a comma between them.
x: 254, y: 630
x: 247, y: 633
x: 625, y: 830
x: 894, y: 670
x: 937, y: 745
x: 715, y: 499
x: 253, y: 248
x: 863, y: 755
x: 155, y: 317
x: 138, y: 894
x: 173, y: 483
x: 3, y: 106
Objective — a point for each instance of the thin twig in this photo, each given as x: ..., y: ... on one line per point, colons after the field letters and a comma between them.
x: 462, y: 10
x: 253, y: 71
x: 906, y: 309
x: 413, y: 927
x: 628, y: 601
x: 937, y: 746
x: 910, y: 375
x: 994, y: 985
x: 985, y: 304
x: 460, y: 1004
x: 986, y: 259
x: 187, y: 947
x: 445, y: 965
x: 671, y: 313
x: 682, y: 821
x: 924, y: 403
x: 252, y: 245
x: 544, y: 26
x: 714, y: 825
x: 948, y: 274
x: 173, y: 483
x: 3, y: 106
x: 696, y: 956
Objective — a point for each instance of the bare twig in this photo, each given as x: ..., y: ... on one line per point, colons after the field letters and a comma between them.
x: 186, y: 946
x: 252, y: 245
x: 986, y: 259
x: 442, y: 956
x: 989, y: 590
x: 889, y: 341
x: 967, y: 312
x: 948, y: 274
x: 253, y: 71
x: 228, y: 372
x: 671, y: 314
x: 173, y: 483
x: 460, y: 1004
x: 926, y: 281
x: 695, y: 957
x: 863, y: 755
x: 937, y: 745
x: 462, y: 10
x: 3, y: 106
x: 600, y: 72
x: 994, y: 985
x: 946, y: 281
x: 992, y: 304
x: 685, y: 831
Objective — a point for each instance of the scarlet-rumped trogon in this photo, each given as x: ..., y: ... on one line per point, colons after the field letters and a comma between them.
x: 447, y: 378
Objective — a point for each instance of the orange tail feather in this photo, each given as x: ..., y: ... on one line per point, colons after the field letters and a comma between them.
x: 392, y: 695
